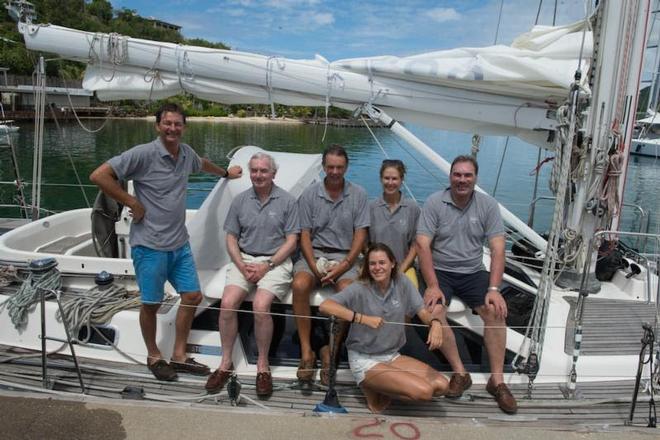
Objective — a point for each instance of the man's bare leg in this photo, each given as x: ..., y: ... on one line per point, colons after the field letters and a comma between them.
x: 232, y: 297
x: 184, y: 319
x: 148, y: 313
x: 302, y: 286
x: 263, y: 326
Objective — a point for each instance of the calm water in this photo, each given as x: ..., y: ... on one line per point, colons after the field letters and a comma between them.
x: 71, y: 144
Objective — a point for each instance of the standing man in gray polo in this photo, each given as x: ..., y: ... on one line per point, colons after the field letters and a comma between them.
x: 158, y: 235
x: 333, y: 220
x: 450, y: 235
x: 262, y: 231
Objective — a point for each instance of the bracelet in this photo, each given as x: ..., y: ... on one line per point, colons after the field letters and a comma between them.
x: 353, y: 320
x: 226, y: 174
x: 359, y: 318
x: 495, y: 288
x: 434, y: 319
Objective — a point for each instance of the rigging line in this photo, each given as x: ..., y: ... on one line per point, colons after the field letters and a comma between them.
x: 405, y: 185
x: 554, y: 15
x: 499, y: 21
x: 416, y: 160
x: 538, y: 13
x: 75, y: 114
x: 499, y: 169
x: 68, y: 154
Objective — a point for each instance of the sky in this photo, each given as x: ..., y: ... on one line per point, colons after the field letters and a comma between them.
x: 350, y: 28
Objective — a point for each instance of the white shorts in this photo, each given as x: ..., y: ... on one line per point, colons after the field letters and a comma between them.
x: 360, y: 363
x: 277, y: 280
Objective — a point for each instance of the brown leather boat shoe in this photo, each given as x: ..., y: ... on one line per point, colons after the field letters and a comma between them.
x: 217, y: 380
x: 162, y: 370
x: 191, y: 366
x: 458, y: 384
x: 264, y: 384
x: 503, y: 396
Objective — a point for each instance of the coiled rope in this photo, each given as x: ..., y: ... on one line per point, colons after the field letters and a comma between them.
x: 23, y: 301
x: 95, y: 306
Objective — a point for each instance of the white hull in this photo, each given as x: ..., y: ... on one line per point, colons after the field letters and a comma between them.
x: 646, y: 147
x: 79, y: 264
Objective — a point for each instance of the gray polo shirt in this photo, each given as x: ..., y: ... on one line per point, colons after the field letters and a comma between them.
x: 396, y: 229
x: 160, y: 184
x: 459, y: 234
x: 331, y: 223
x: 261, y: 229
x: 400, y: 300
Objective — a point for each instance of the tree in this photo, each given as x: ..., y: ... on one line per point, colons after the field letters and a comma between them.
x: 101, y: 9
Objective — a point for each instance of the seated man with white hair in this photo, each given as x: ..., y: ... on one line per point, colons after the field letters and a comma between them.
x: 262, y: 232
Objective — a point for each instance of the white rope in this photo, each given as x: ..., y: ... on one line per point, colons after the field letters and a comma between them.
x: 331, y: 79
x: 269, y: 80
x: 21, y: 303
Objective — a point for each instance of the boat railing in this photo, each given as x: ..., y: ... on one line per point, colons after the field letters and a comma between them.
x: 642, y: 214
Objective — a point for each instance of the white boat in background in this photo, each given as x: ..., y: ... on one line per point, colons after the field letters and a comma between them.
x: 646, y: 137
x: 551, y: 88
x: 7, y: 127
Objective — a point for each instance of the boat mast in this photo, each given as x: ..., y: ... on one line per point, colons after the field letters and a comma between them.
x: 599, y: 155
x: 39, y: 110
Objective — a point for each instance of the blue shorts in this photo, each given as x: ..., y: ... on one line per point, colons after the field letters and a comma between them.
x: 154, y: 267
x: 471, y: 288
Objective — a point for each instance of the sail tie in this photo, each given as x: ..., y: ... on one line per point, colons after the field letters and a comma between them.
x: 331, y: 79
x: 269, y: 80
x: 153, y: 75
x: 183, y: 70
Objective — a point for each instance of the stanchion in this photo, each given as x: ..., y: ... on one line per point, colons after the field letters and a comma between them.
x: 40, y: 267
x: 648, y: 342
x: 331, y: 403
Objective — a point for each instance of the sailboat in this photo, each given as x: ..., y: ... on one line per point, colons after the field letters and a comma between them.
x: 646, y: 140
x: 574, y: 343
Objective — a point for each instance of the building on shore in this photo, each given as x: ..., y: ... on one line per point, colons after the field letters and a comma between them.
x: 64, y: 97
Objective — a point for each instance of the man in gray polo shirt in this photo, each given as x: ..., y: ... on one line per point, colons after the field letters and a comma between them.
x: 158, y: 235
x: 262, y: 232
x: 452, y: 229
x: 333, y: 221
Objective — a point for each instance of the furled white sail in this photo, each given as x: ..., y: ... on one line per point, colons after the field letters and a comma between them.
x: 491, y: 90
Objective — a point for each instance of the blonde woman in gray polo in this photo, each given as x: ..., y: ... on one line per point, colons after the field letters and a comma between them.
x: 393, y: 218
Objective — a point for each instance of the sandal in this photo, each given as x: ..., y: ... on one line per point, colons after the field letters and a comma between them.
x: 306, y: 369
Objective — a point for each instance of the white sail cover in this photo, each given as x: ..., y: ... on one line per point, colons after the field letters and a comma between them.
x: 492, y: 90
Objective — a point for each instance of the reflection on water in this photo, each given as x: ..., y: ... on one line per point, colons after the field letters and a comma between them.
x: 214, y: 140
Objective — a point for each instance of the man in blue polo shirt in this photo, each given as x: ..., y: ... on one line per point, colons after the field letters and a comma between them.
x: 450, y: 235
x: 158, y: 235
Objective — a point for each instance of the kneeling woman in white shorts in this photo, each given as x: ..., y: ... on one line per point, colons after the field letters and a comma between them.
x: 377, y: 305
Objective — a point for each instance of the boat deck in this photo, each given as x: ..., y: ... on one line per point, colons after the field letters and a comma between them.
x: 609, y: 327
x: 601, y: 404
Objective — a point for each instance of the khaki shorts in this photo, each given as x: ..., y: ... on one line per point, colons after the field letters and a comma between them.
x: 302, y: 266
x: 277, y: 280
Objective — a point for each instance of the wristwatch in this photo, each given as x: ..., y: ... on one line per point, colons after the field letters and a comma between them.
x: 271, y: 265
x: 495, y: 288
